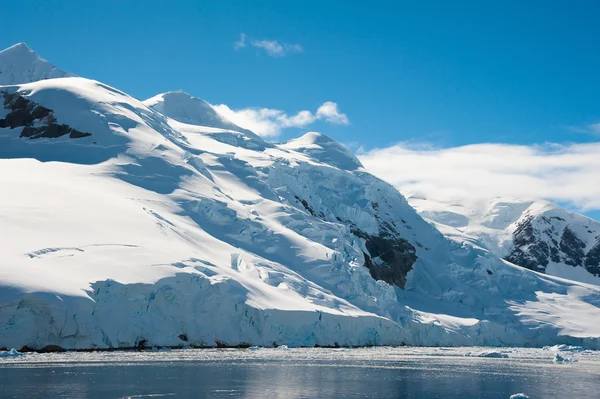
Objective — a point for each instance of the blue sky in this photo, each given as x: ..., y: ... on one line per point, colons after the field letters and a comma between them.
x: 440, y: 72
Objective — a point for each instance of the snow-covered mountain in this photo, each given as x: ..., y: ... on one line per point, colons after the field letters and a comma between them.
x: 535, y: 234
x: 122, y: 226
x: 182, y: 107
x: 20, y: 64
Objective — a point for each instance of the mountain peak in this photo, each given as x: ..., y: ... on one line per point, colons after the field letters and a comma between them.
x: 19, y: 52
x: 21, y: 46
x: 176, y: 93
x: 316, y: 138
x: 184, y: 108
x: 324, y: 149
x: 20, y: 64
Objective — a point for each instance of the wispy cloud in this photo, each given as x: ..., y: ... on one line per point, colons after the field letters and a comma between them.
x: 592, y: 128
x: 276, y: 49
x: 561, y: 172
x: 240, y: 43
x: 268, y: 122
x: 271, y: 47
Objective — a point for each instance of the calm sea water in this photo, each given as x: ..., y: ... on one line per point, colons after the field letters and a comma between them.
x: 301, y: 373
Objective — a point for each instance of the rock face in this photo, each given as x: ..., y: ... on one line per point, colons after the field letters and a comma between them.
x: 540, y: 240
x: 572, y: 248
x: 537, y: 235
x: 389, y: 258
x: 592, y: 259
x: 36, y: 121
x: 529, y: 251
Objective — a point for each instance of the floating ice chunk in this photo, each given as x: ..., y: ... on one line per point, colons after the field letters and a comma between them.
x: 282, y: 347
x: 564, y: 348
x: 11, y: 353
x: 491, y: 354
x: 560, y: 359
x: 519, y: 396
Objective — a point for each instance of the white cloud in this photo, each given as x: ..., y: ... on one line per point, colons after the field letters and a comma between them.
x: 240, y: 43
x: 276, y: 49
x: 269, y: 122
x: 329, y: 112
x: 271, y: 47
x: 561, y: 172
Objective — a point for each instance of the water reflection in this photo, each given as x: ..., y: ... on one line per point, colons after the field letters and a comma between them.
x: 423, y: 378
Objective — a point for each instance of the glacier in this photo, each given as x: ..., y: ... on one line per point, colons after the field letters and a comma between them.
x: 129, y: 223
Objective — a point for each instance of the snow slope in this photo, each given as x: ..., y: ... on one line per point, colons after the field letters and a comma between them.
x: 20, y: 64
x: 124, y: 227
x: 536, y: 234
x: 184, y: 108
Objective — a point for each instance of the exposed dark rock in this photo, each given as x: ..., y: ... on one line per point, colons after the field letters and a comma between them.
x: 76, y: 134
x: 554, y: 253
x: 52, y: 131
x: 222, y: 345
x: 536, y: 245
x: 183, y: 337
x: 528, y: 251
x: 390, y: 258
x: 40, y: 112
x: 141, y: 344
x: 306, y: 206
x: 572, y: 247
x: 592, y: 259
x: 52, y: 349
x: 37, y: 121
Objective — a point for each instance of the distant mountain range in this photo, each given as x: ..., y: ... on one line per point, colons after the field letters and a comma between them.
x: 535, y: 234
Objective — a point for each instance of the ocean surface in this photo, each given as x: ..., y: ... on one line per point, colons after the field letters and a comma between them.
x: 305, y: 373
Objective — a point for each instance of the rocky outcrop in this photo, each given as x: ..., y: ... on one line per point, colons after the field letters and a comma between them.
x: 36, y: 121
x: 572, y: 247
x: 537, y: 241
x: 389, y: 258
x: 592, y: 259
x: 528, y: 251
